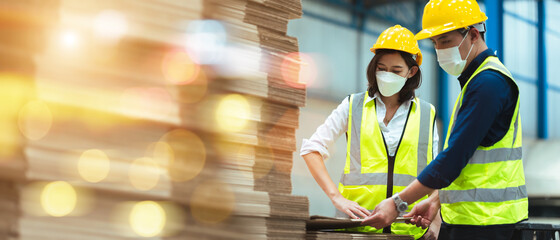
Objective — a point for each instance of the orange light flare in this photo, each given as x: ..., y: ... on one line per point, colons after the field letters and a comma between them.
x: 179, y: 68
x: 299, y: 70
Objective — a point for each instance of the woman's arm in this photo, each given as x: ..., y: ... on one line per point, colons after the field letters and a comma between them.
x: 317, y: 167
x: 315, y: 150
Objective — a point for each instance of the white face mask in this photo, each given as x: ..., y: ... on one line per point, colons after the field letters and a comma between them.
x: 450, y: 59
x: 389, y: 83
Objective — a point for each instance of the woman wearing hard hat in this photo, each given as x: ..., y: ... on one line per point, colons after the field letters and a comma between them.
x: 391, y: 134
x: 480, y: 171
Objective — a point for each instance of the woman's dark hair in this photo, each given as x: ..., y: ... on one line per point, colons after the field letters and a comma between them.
x: 407, y: 92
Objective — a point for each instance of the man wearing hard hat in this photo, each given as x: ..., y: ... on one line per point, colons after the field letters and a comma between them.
x: 479, y: 173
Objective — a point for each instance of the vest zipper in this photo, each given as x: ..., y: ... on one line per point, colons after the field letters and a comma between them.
x: 391, y: 159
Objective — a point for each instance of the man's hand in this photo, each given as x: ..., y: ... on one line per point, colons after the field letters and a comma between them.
x: 384, y: 214
x: 433, y: 231
x: 424, y: 212
x: 353, y: 209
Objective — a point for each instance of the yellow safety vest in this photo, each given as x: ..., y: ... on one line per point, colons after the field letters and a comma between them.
x: 491, y: 188
x: 367, y: 163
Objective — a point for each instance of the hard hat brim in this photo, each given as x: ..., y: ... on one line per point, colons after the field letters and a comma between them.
x: 438, y: 30
x: 418, y: 55
x: 431, y: 32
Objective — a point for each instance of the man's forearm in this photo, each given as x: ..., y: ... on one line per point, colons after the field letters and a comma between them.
x: 415, y: 191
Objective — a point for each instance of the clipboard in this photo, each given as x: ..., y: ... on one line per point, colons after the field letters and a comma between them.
x: 317, y: 222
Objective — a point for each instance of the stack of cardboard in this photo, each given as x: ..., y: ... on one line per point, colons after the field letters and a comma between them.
x: 9, y: 205
x: 22, y: 25
x: 311, y: 235
x: 263, y: 24
x: 130, y: 133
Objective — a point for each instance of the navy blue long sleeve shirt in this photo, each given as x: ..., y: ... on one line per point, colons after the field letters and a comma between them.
x: 483, y: 119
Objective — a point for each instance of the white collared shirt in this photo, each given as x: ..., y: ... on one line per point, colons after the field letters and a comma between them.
x: 337, y: 124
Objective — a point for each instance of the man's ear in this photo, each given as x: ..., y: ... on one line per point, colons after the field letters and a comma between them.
x: 474, y: 34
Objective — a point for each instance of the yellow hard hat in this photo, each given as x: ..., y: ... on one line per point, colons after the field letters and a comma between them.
x: 441, y: 16
x: 398, y: 38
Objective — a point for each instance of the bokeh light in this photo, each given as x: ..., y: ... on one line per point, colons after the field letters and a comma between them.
x: 144, y: 173
x: 185, y: 153
x: 206, y: 41
x: 94, y: 165
x: 110, y: 25
x: 69, y: 39
x: 58, y: 198
x: 161, y: 152
x: 178, y: 68
x: 232, y: 113
x: 147, y: 218
x: 193, y: 92
x: 212, y: 202
x: 35, y: 120
x: 299, y: 69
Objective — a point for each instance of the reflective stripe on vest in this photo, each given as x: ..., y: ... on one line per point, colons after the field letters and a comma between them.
x: 366, y: 171
x: 491, y: 188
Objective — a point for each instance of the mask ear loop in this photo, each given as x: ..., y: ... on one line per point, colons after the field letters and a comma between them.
x: 472, y: 45
x: 408, y: 73
x: 465, y: 37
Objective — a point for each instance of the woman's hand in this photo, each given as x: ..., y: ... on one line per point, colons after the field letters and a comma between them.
x: 353, y: 209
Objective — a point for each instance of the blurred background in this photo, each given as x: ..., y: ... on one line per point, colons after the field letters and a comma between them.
x: 149, y: 119
x: 336, y: 36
